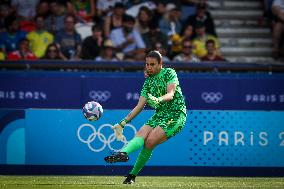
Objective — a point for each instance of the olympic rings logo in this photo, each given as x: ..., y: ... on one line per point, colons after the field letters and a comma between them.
x: 212, y: 97
x: 105, y: 141
x: 100, y: 96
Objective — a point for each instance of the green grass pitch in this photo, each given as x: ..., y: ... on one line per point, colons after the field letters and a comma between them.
x: 105, y: 182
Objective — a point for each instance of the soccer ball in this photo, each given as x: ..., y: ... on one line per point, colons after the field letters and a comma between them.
x: 92, y: 111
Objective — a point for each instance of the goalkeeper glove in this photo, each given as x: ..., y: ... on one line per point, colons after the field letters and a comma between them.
x: 154, y: 101
x: 118, y: 129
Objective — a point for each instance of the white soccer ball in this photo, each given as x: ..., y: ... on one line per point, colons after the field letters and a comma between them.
x: 92, y: 111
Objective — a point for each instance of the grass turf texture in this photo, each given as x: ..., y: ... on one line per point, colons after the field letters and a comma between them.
x: 103, y: 182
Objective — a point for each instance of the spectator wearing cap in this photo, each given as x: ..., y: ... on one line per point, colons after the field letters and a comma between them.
x: 128, y: 40
x: 144, y: 17
x: 114, y: 20
x: 170, y: 23
x: 187, y: 54
x: 199, y: 42
x: 202, y: 15
x: 24, y: 52
x: 108, y: 52
x: 9, y: 40
x: 93, y: 44
x: 40, y: 38
x: 153, y: 36
x: 212, y: 54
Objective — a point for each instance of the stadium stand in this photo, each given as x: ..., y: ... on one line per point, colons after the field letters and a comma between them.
x: 241, y: 35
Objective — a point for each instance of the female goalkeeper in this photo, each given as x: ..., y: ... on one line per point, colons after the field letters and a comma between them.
x: 161, y: 90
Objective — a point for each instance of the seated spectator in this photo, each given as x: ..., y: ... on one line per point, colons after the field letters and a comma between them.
x: 24, y: 53
x: 83, y: 9
x: 128, y: 40
x: 5, y: 12
x: 159, y: 12
x: 43, y: 8
x: 212, y: 54
x: 202, y: 15
x: 153, y: 36
x: 159, y: 47
x: 114, y: 20
x: 107, y: 53
x: 52, y: 53
x: 200, y: 40
x: 277, y: 31
x: 9, y: 40
x: 187, y: 32
x: 187, y: 53
x: 170, y: 23
x: 93, y: 44
x: 69, y: 40
x: 25, y: 9
x: 40, y: 38
x: 143, y: 19
x: 55, y: 21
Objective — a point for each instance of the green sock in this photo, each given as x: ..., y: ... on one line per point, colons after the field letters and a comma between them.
x: 133, y: 145
x: 142, y: 158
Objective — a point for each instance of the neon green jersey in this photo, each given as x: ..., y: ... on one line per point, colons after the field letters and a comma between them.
x: 157, y: 86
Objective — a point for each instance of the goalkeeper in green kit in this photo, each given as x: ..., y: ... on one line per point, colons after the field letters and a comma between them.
x: 161, y: 91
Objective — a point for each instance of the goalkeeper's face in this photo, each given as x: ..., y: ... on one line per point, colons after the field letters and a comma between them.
x: 153, y: 67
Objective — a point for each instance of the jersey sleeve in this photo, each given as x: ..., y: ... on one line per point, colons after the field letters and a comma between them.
x: 172, y: 77
x: 145, y: 90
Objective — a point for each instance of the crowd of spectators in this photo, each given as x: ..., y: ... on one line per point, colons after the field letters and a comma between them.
x: 182, y: 30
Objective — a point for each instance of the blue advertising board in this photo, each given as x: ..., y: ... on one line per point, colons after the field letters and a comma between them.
x: 214, y: 91
x: 210, y: 138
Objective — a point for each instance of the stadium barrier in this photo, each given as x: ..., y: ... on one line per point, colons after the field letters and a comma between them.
x: 54, y: 138
x: 88, y: 65
x: 121, y: 90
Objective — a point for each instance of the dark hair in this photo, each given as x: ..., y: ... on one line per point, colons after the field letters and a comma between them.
x: 155, y: 54
x: 119, y: 5
x: 146, y: 9
x: 46, y: 56
x: 128, y: 18
x: 9, y: 21
x: 97, y: 27
x: 210, y: 41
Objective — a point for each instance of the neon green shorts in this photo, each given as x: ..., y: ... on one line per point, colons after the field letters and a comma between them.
x: 171, y: 123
